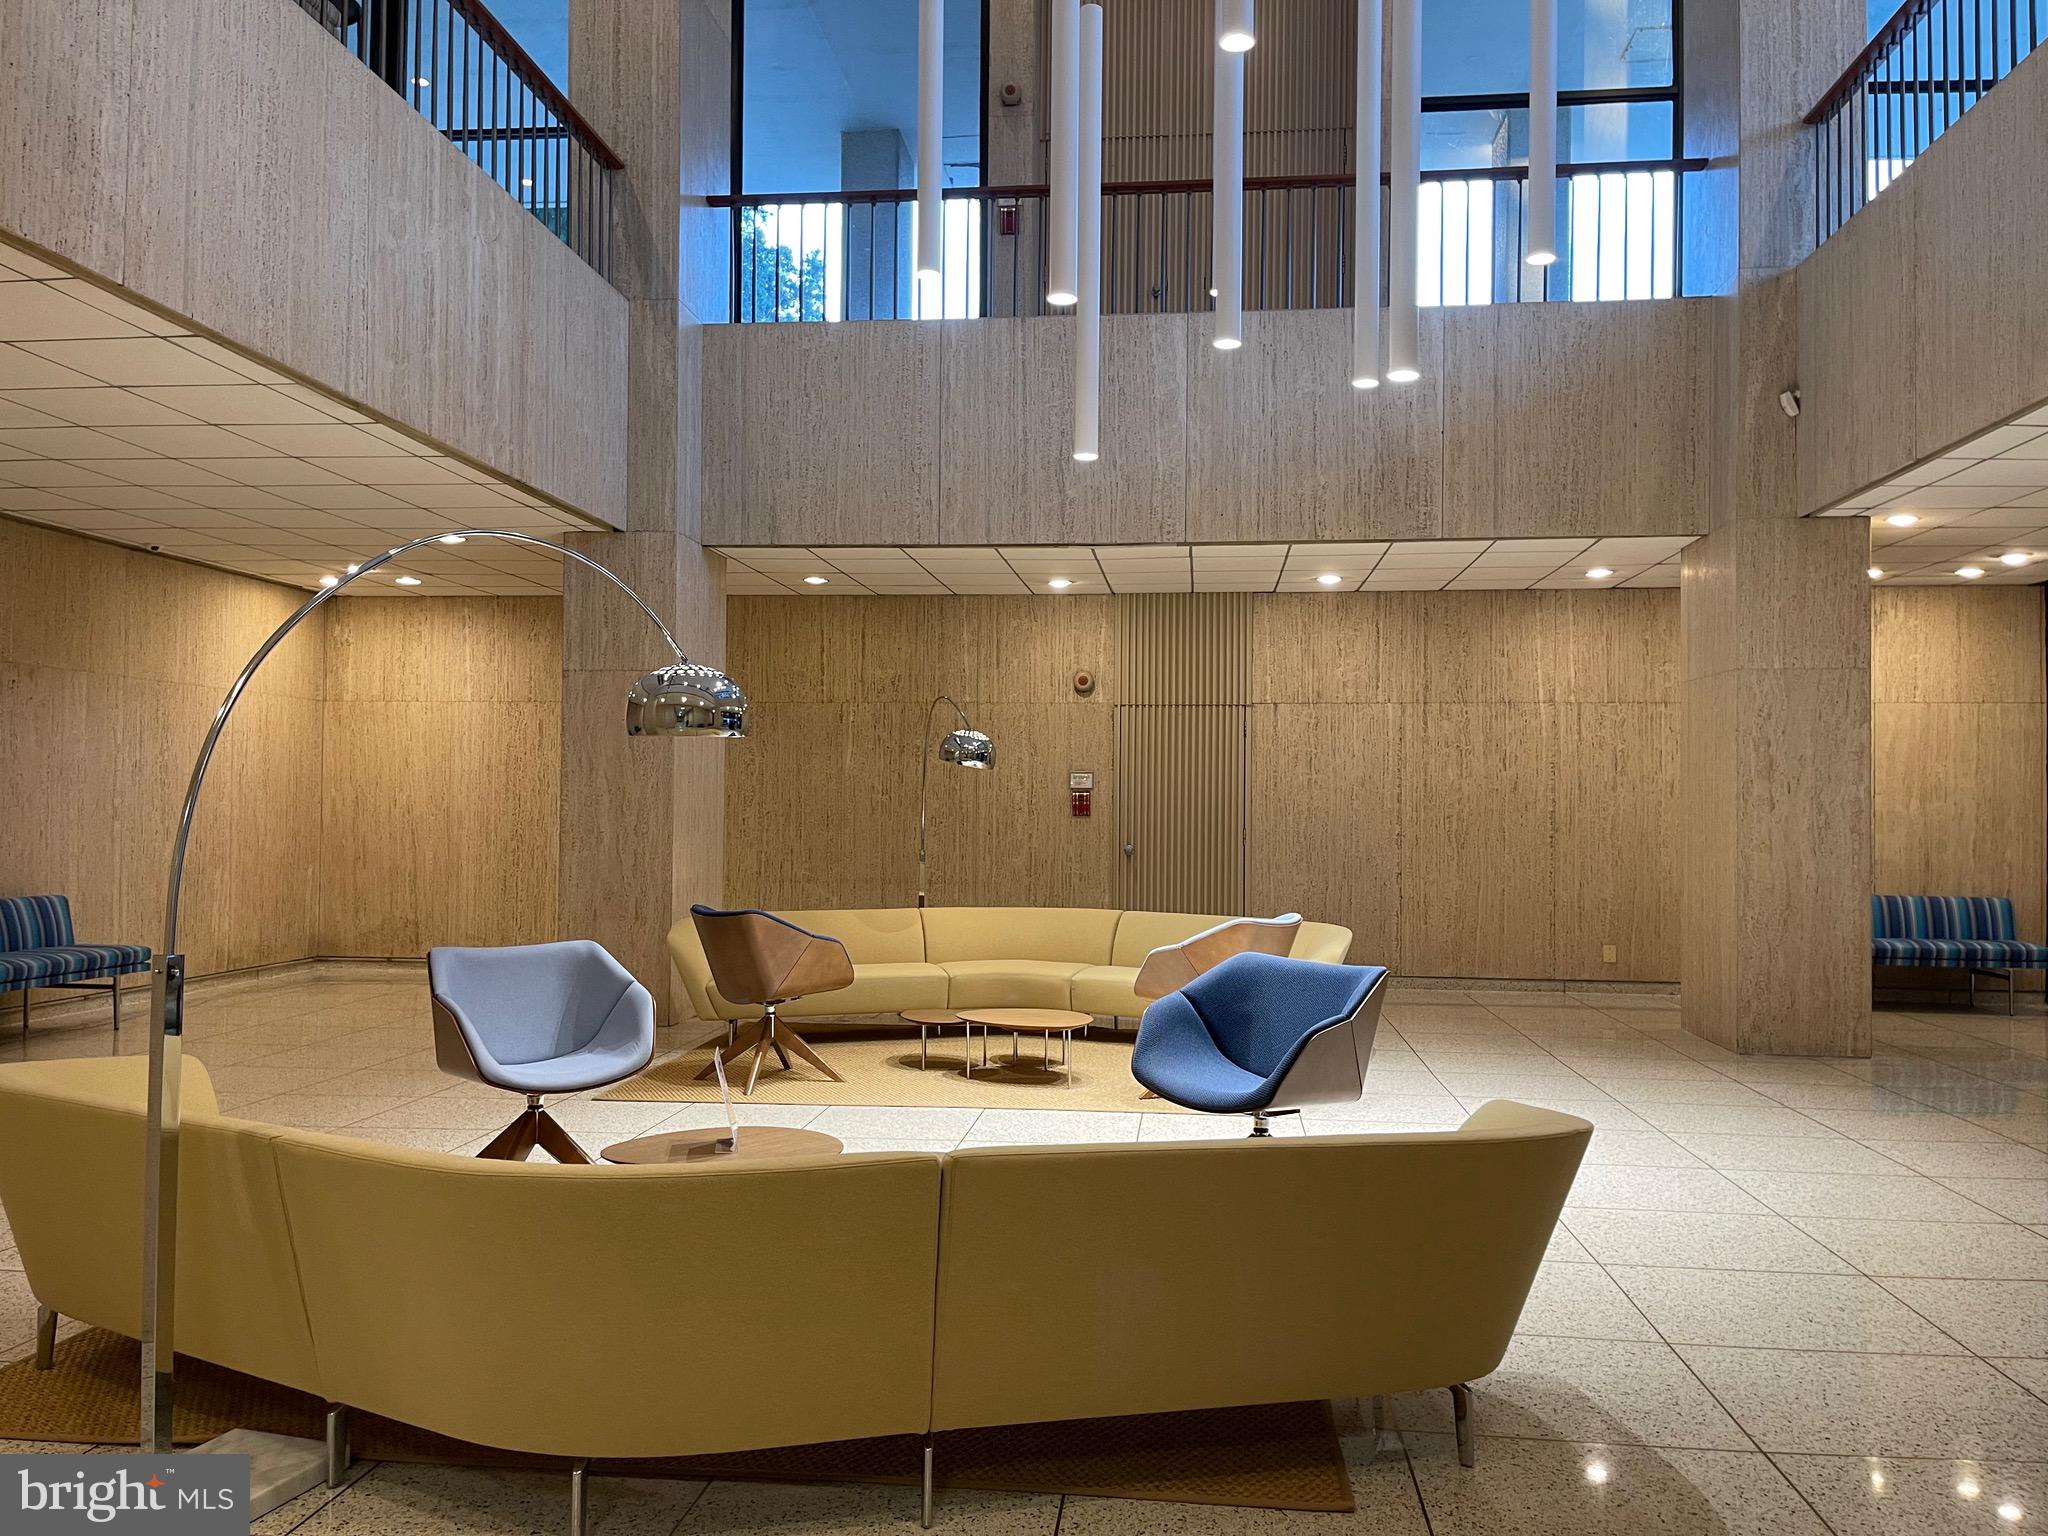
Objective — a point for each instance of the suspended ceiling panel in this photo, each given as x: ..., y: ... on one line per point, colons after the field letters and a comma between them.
x: 1981, y: 506
x: 1437, y: 565
x: 120, y: 423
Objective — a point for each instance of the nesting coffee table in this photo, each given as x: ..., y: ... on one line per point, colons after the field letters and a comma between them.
x: 1043, y: 1022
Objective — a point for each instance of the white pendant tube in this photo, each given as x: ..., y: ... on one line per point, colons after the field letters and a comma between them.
x: 931, y: 161
x: 1063, y: 217
x: 1404, y: 186
x: 1365, y: 216
x: 1088, y: 326
x: 1227, y: 220
x: 1542, y: 188
x: 1235, y: 32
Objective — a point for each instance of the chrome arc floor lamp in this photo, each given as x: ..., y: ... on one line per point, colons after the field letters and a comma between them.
x: 678, y: 698
x: 963, y: 747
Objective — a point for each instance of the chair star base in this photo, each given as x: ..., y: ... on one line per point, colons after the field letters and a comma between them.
x: 535, y: 1127
x: 766, y: 1034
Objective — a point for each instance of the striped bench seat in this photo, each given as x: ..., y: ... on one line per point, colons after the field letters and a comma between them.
x: 1979, y: 933
x: 39, y: 949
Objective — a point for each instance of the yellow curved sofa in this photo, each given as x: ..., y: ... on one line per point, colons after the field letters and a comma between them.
x: 1083, y: 958
x: 545, y: 1309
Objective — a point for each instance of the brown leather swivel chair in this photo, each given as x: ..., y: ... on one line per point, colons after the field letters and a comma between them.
x: 757, y: 957
x: 1172, y: 966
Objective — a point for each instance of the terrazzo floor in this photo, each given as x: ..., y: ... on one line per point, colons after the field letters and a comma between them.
x: 1787, y: 1296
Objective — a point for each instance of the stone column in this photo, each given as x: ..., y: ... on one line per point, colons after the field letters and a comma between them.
x: 643, y: 821
x: 1775, y: 609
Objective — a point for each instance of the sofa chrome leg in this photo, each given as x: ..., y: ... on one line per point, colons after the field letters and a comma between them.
x: 924, y: 1507
x: 24, y: 1011
x: 46, y: 1338
x: 1259, y: 1125
x: 117, y: 1005
x: 1973, y: 989
x: 1461, y: 1412
x: 337, y: 1444
x: 579, y: 1497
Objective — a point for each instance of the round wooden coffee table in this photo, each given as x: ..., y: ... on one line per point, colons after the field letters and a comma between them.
x: 757, y: 1143
x: 927, y: 1020
x: 1043, y: 1022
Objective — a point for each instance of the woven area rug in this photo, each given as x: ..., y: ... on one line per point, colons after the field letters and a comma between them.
x: 1284, y: 1456
x: 884, y: 1068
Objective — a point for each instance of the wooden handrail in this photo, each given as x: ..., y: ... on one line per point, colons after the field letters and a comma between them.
x: 534, y: 78
x: 1903, y: 20
x: 1026, y: 192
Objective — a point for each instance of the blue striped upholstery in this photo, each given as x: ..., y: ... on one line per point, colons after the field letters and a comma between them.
x: 35, y: 922
x: 1950, y: 930
x: 37, y: 947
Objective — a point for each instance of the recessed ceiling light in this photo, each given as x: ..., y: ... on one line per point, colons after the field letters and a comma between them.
x: 407, y: 581
x: 1598, y: 573
x: 2010, y: 1512
x: 816, y: 581
x: 1969, y: 572
x: 1968, y: 1488
x: 1596, y: 1471
x: 453, y: 538
x: 1059, y: 583
x: 1329, y: 579
x: 330, y: 581
x: 2014, y: 557
x: 1876, y: 573
x: 1903, y: 519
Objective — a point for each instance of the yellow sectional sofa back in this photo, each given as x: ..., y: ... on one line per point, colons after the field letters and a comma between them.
x: 581, y: 1311
x: 71, y: 1148
x: 872, y: 935
x: 1076, y: 935
x: 1184, y: 1279
x: 1085, y: 958
x: 588, y: 1311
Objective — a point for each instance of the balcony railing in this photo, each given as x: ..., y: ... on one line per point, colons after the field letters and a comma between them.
x: 847, y: 255
x: 463, y: 72
x: 1925, y: 68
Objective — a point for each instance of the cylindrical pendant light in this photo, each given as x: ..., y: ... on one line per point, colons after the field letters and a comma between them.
x: 1365, y: 219
x: 1542, y: 189
x: 1063, y: 218
x: 1227, y: 221
x: 1235, y: 32
x: 1404, y: 183
x: 931, y: 165
x: 1088, y: 328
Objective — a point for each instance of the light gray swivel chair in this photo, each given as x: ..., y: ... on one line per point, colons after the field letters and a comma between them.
x: 539, y: 1019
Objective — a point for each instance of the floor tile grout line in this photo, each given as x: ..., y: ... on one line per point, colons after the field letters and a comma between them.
x: 1800, y: 1493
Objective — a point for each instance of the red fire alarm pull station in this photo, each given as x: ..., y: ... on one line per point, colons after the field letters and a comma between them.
x: 1081, y: 790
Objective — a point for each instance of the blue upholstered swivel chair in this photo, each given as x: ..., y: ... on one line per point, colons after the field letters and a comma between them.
x: 539, y: 1019
x: 1262, y: 1035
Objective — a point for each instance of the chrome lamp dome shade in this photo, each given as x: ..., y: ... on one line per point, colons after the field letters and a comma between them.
x: 968, y: 749
x: 686, y: 698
